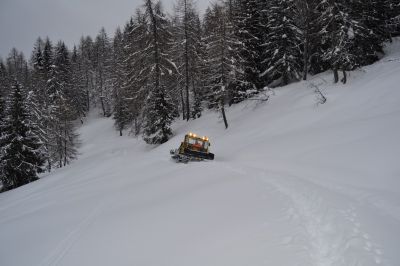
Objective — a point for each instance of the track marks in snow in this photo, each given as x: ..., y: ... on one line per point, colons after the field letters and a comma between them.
x: 315, y: 220
x: 64, y: 246
x: 327, y: 229
x: 363, y: 239
x: 334, y: 237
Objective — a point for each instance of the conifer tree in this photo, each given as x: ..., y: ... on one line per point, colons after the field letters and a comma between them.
x: 393, y: 17
x: 342, y: 30
x: 78, y: 87
x: 221, y: 60
x: 48, y: 57
x: 2, y: 107
x: 159, y: 116
x: 38, y: 81
x: 38, y: 101
x: 39, y: 120
x: 160, y: 67
x: 17, y: 67
x: 103, y: 60
x: 20, y: 155
x: 3, y: 79
x: 62, y: 136
x: 282, y: 47
x: 368, y: 27
x: 137, y: 53
x: 188, y: 50
x: 121, y: 109
x: 306, y: 14
x: 250, y: 30
x: 85, y: 52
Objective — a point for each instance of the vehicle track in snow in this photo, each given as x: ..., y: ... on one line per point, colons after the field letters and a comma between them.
x: 65, y: 245
x: 330, y: 231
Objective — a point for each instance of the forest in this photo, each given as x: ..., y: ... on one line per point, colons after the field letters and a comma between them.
x: 161, y: 67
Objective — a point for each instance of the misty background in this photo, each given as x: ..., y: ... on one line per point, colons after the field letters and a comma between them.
x: 23, y: 21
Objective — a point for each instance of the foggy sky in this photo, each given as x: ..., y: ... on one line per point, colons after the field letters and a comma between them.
x: 23, y: 21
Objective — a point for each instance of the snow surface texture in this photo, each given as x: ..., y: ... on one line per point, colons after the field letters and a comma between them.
x: 294, y: 183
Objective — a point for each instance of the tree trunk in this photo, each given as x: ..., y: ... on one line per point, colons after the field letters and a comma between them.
x: 306, y: 56
x: 102, y: 105
x: 285, y: 79
x: 224, y: 115
x: 335, y: 75
x: 101, y: 94
x: 137, y: 128
x: 193, y: 115
x: 186, y: 63
x: 183, y: 105
x: 65, y: 144
x: 156, y: 48
x: 48, y: 158
x: 344, y: 79
x: 87, y: 92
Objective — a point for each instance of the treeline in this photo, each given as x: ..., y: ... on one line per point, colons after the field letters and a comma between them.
x: 158, y: 68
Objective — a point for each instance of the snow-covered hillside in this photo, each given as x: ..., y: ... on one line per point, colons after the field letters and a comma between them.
x: 293, y: 183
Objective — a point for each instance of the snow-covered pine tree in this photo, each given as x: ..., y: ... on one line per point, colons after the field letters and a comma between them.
x: 4, y: 81
x: 78, y: 88
x: 306, y: 21
x: 187, y: 53
x: 63, y: 136
x: 38, y: 98
x: 136, y: 36
x: 250, y: 30
x: 39, y: 123
x: 121, y: 110
x: 38, y: 81
x: 47, y: 72
x: 176, y: 52
x: 66, y: 136
x: 17, y: 67
x: 368, y: 25
x: 103, y: 61
x: 341, y: 31
x: 48, y: 58
x: 221, y: 57
x: 159, y: 114
x: 85, y: 52
x: 393, y: 17
x: 2, y: 104
x: 198, y: 63
x: 2, y: 109
x: 20, y: 156
x: 282, y: 53
x: 159, y: 110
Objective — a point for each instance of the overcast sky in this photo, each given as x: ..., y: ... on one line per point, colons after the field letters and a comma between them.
x: 23, y: 21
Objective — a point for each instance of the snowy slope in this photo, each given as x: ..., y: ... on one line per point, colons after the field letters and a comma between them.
x: 293, y: 183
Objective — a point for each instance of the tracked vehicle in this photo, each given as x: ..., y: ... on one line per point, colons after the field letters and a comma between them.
x: 193, y: 148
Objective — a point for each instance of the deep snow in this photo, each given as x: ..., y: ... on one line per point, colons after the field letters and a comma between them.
x: 294, y: 183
